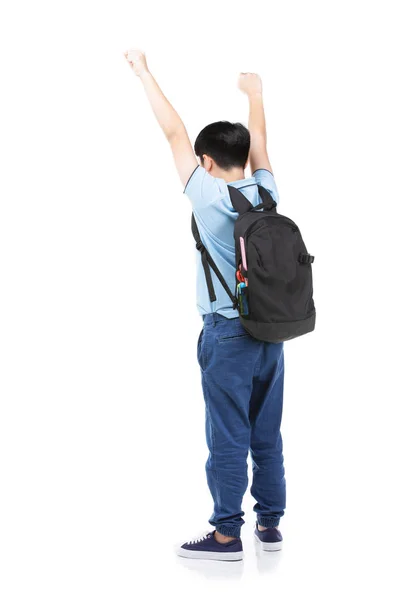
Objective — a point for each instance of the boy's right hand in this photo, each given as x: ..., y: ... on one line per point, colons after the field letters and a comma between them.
x: 137, y: 60
x: 250, y: 83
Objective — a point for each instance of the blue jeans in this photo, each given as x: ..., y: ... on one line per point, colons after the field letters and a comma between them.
x: 242, y: 380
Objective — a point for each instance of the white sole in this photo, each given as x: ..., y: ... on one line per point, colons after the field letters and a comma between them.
x: 269, y: 546
x: 229, y: 556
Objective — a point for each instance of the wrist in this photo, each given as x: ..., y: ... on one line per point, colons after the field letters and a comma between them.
x: 144, y: 74
x: 256, y: 95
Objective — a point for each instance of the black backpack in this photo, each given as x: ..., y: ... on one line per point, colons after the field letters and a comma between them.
x: 274, y: 289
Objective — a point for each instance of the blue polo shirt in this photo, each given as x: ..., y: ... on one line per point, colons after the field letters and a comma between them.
x: 215, y: 218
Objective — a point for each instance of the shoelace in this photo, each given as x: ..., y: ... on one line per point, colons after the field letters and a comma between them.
x: 201, y: 538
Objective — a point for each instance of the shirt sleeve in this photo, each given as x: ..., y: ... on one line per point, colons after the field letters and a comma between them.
x: 202, y: 189
x: 265, y: 178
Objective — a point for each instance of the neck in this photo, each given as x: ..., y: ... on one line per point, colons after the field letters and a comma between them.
x: 231, y: 175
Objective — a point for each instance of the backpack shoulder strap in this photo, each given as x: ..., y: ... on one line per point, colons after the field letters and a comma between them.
x: 242, y: 205
x: 208, y: 262
x: 267, y: 200
x: 239, y: 200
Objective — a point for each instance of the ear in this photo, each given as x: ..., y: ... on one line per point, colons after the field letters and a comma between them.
x: 207, y: 162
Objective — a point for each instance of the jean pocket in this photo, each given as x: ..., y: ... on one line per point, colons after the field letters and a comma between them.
x: 232, y: 337
x: 199, y: 342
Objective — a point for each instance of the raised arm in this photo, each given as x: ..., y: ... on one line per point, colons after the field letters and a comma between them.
x: 250, y: 84
x: 167, y: 117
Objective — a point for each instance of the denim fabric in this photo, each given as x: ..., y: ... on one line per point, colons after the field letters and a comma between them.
x: 242, y: 380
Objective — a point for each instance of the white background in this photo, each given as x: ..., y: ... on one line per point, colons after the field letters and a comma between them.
x: 102, y: 443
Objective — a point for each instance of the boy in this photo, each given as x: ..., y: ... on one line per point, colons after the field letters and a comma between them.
x: 242, y: 378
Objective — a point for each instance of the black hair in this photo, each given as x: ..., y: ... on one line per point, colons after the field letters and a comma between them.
x: 226, y: 143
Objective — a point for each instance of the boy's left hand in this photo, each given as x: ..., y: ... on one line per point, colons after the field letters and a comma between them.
x: 137, y: 61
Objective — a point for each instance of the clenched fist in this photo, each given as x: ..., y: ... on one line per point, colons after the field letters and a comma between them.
x: 137, y: 60
x: 250, y: 83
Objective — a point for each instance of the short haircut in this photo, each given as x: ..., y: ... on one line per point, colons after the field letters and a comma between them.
x: 226, y: 143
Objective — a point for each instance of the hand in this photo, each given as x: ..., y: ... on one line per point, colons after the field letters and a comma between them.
x: 250, y: 83
x: 137, y: 61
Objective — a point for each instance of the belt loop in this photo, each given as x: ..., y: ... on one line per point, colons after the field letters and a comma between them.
x: 214, y: 318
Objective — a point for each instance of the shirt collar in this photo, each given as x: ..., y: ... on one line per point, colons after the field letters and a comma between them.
x: 238, y: 183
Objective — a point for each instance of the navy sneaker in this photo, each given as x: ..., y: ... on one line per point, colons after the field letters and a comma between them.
x: 270, y: 539
x: 207, y: 547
